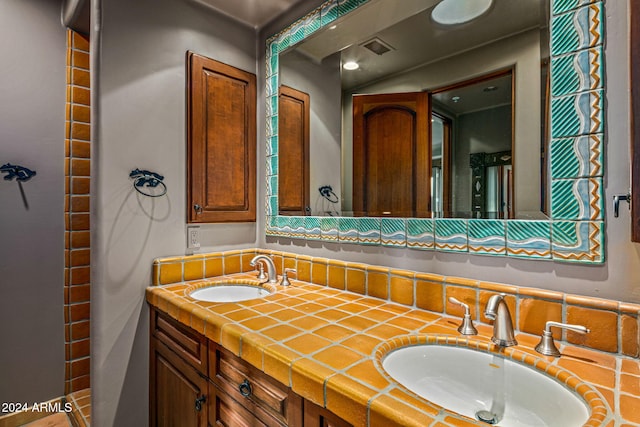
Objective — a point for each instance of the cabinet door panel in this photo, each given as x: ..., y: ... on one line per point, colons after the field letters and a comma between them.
x: 221, y: 142
x: 293, y: 154
x: 175, y: 389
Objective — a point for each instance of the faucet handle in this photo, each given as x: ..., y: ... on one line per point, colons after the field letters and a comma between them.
x: 261, y: 274
x: 466, y: 327
x: 285, y: 276
x: 547, y: 345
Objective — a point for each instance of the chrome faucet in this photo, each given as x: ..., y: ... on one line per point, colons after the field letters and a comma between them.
x: 498, y: 311
x: 272, y: 277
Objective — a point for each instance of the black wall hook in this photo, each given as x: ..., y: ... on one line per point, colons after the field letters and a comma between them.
x: 144, y: 178
x: 20, y: 173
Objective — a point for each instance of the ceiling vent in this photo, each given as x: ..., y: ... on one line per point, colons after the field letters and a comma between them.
x: 377, y: 46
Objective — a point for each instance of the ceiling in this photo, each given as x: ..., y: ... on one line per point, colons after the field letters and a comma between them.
x: 254, y: 13
x: 413, y: 36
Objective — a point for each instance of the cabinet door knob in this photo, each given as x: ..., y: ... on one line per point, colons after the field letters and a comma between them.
x: 245, y: 388
x: 199, y: 402
x: 197, y: 208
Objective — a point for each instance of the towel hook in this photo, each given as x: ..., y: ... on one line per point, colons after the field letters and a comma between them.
x: 147, y: 179
x: 20, y: 173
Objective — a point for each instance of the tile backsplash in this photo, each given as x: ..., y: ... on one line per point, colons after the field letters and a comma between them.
x: 613, y: 324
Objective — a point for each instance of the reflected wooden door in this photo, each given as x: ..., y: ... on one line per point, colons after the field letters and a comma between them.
x: 391, y: 155
x: 293, y: 155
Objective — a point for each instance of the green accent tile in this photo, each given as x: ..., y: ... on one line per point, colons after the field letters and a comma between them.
x: 579, y: 114
x: 579, y: 29
x: 272, y: 65
x: 297, y: 224
x: 347, y: 6
x: 272, y: 189
x: 312, y: 227
x: 272, y: 147
x: 393, y: 232
x: 369, y: 231
x: 348, y: 229
x: 529, y: 239
x: 272, y: 48
x: 329, y: 227
x: 272, y: 165
x: 312, y: 23
x: 272, y: 207
x: 272, y: 105
x: 328, y: 12
x: 562, y: 6
x: 284, y: 41
x: 578, y: 241
x: 578, y: 72
x: 297, y: 33
x: 487, y: 237
x: 577, y: 157
x: 451, y: 235
x: 420, y: 233
x: 577, y: 199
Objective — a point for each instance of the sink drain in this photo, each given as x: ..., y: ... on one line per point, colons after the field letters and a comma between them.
x: 487, y: 417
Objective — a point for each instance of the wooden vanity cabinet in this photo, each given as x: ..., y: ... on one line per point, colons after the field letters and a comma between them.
x: 195, y: 382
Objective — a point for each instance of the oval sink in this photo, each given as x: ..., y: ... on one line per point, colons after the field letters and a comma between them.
x: 229, y: 292
x: 485, y: 386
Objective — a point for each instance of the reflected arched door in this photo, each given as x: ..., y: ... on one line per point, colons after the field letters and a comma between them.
x: 391, y: 155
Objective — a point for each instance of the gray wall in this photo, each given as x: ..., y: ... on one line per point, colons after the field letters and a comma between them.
x: 618, y: 278
x: 322, y: 83
x: 140, y: 109
x: 32, y: 104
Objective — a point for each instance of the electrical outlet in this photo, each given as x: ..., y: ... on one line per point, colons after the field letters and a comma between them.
x: 193, y: 237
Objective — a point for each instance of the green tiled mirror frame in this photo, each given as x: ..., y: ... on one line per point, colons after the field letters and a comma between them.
x: 575, y: 232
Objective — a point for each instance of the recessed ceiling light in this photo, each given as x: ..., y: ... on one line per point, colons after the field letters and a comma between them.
x: 350, y: 65
x: 333, y: 27
x: 455, y: 98
x: 452, y: 12
x: 490, y: 88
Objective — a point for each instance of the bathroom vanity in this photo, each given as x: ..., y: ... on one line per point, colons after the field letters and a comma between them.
x: 312, y: 353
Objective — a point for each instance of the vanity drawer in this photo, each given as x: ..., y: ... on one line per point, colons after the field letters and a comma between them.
x: 253, y: 389
x: 188, y: 344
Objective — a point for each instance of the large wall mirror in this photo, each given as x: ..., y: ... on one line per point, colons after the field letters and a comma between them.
x: 387, y: 127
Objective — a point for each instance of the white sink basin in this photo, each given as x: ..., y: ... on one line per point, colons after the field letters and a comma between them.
x: 229, y: 292
x: 466, y: 381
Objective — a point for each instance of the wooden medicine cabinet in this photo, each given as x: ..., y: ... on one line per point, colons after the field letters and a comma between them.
x: 221, y: 142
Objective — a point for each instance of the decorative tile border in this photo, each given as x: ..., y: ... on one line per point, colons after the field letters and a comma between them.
x: 575, y: 232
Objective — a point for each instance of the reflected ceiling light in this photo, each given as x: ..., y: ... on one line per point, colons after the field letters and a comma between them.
x: 350, y: 65
x: 452, y: 12
x: 333, y: 27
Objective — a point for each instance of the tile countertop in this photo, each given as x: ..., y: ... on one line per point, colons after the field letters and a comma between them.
x: 326, y: 345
